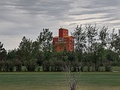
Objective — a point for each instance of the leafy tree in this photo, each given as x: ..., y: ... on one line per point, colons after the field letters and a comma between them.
x: 113, y: 38
x: 58, y: 65
x: 12, y: 54
x: 9, y: 66
x: 80, y: 39
x: 18, y: 65
x: 116, y: 43
x: 31, y: 65
x: 103, y: 37
x: 46, y: 65
x: 79, y: 35
x: 35, y: 49
x: 71, y: 56
x: 99, y: 56
x: 3, y: 52
x: 45, y: 48
x: 2, y: 64
x: 25, y: 49
x: 45, y: 40
x: 40, y: 58
x: 28, y: 53
x: 91, y: 38
x: 104, y: 41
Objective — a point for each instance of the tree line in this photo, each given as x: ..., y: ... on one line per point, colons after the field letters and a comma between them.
x: 95, y: 50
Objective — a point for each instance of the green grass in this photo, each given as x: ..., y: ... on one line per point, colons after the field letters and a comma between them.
x: 57, y: 81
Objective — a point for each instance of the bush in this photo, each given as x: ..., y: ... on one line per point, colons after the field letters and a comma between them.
x: 2, y: 63
x: 108, y: 68
x: 31, y: 65
x: 18, y: 65
x: 46, y: 65
x: 9, y: 66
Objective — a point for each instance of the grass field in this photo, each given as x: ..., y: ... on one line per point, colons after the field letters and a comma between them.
x: 57, y: 81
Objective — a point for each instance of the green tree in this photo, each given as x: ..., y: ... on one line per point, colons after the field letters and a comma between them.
x: 45, y: 40
x: 115, y: 44
x: 3, y: 52
x: 99, y: 56
x: 79, y: 35
x: 12, y: 54
x: 2, y: 64
x: 91, y: 37
x: 28, y: 52
x: 25, y: 49
x: 80, y: 39
x: 3, y: 56
x: 103, y: 37
x: 92, y: 40
x: 104, y: 43
x: 18, y: 65
x: 45, y: 48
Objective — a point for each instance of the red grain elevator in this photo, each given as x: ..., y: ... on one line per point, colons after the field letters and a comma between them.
x: 63, y: 41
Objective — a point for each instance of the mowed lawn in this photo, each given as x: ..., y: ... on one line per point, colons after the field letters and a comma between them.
x: 57, y: 81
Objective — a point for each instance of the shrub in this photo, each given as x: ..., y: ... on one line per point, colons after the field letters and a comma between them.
x: 31, y: 65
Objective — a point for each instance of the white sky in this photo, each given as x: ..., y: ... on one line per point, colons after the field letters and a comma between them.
x: 20, y: 18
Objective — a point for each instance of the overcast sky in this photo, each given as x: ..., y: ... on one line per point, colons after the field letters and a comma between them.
x: 20, y: 18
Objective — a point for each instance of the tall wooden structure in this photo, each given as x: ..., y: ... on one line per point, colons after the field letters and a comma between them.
x: 63, y: 41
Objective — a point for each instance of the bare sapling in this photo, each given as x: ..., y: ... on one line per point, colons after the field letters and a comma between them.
x: 72, y: 77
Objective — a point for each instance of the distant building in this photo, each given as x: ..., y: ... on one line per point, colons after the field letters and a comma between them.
x: 63, y: 41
